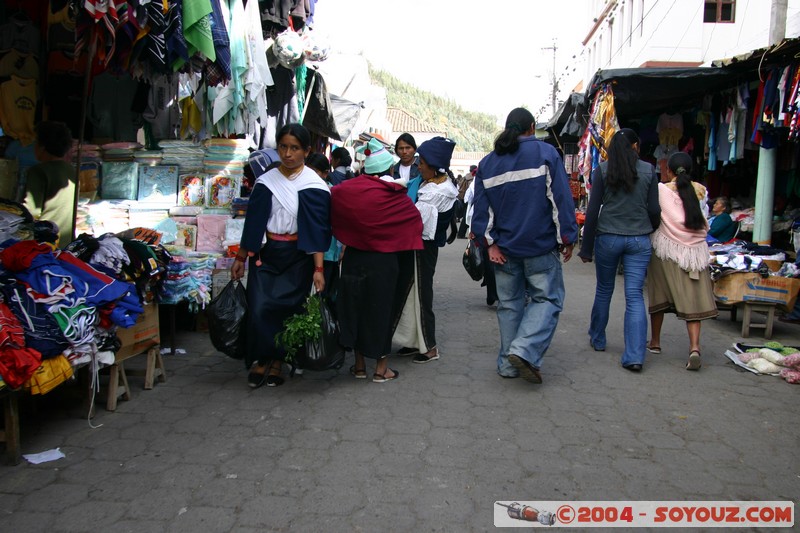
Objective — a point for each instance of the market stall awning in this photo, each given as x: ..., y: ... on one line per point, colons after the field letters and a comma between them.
x: 569, y: 120
x: 782, y: 53
x: 639, y: 91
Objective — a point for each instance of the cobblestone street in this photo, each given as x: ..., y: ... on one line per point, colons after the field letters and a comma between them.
x: 431, y: 451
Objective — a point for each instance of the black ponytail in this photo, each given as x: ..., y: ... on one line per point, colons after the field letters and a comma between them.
x: 680, y: 163
x: 622, y: 160
x: 518, y: 122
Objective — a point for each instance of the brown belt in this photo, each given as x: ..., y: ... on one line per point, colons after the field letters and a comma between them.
x: 282, y: 236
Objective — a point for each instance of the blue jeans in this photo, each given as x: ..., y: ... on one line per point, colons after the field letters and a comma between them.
x: 634, y: 252
x: 526, y: 330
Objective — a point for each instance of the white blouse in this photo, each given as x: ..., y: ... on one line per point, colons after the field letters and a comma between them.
x: 432, y: 199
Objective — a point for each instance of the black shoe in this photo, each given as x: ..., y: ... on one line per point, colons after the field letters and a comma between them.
x: 407, y: 351
x: 527, y: 371
x: 635, y: 367
x: 596, y: 349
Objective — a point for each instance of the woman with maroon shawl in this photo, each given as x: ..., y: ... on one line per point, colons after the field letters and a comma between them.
x: 377, y: 222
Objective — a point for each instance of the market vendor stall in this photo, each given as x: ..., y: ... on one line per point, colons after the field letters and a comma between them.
x: 753, y: 283
x: 165, y: 117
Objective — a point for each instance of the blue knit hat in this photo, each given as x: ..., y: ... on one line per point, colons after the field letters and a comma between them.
x: 377, y: 157
x: 437, y: 152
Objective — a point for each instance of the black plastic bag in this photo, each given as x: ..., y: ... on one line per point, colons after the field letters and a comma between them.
x: 473, y: 261
x: 325, y: 353
x: 226, y: 320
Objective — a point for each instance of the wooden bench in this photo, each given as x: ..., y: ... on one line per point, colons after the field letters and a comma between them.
x: 747, y: 318
x: 118, y: 378
x: 749, y: 308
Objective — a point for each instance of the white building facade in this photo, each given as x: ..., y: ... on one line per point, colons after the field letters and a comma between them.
x: 675, y: 33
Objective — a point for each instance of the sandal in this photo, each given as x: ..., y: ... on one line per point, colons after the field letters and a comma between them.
x: 358, y: 373
x: 654, y: 349
x: 275, y: 380
x: 422, y: 358
x: 383, y: 378
x: 694, y: 362
x: 256, y: 379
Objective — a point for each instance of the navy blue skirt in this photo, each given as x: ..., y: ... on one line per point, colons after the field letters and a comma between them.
x: 275, y: 291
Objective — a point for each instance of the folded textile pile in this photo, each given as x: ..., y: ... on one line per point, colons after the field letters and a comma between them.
x: 189, y: 279
x: 226, y: 156
x: 187, y: 155
x: 148, y: 157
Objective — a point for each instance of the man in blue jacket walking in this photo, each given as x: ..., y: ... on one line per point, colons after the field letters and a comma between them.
x: 525, y: 214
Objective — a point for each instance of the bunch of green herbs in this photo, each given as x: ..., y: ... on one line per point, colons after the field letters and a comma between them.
x: 301, y: 328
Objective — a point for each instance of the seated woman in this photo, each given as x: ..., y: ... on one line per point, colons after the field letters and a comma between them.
x: 723, y: 227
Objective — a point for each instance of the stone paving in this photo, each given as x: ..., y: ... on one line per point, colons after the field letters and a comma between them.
x: 431, y: 451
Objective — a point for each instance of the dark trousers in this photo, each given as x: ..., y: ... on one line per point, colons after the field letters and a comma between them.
x: 462, y: 229
x: 426, y: 264
x: 488, y: 278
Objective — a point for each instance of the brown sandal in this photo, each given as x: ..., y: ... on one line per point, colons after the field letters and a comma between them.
x: 694, y: 362
x: 358, y: 373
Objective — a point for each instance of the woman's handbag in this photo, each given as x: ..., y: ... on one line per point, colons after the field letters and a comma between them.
x: 473, y: 261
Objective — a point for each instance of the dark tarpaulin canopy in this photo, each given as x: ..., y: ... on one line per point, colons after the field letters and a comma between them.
x: 640, y: 91
x: 570, y: 119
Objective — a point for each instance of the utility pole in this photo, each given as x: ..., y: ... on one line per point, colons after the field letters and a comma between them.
x: 767, y: 157
x: 554, y: 87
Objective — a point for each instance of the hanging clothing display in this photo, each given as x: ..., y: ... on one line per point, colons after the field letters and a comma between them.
x: 18, y: 108
x: 602, y: 126
x: 764, y: 133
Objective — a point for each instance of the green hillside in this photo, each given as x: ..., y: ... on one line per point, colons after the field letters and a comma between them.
x: 472, y: 131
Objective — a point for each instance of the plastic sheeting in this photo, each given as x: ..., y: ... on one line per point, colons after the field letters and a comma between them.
x: 327, y: 114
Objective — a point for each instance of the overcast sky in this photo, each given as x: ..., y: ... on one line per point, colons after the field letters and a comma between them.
x: 489, y: 61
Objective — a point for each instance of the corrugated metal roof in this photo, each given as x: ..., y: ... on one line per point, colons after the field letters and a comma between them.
x: 403, y: 121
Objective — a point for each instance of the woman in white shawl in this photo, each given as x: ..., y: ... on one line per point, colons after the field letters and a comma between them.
x: 436, y: 200
x: 291, y: 204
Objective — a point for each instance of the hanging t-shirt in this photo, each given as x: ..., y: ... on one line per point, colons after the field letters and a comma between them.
x: 22, y: 64
x: 20, y: 35
x: 18, y: 108
x: 670, y: 128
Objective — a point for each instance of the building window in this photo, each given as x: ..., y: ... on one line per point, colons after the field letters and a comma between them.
x: 719, y: 11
